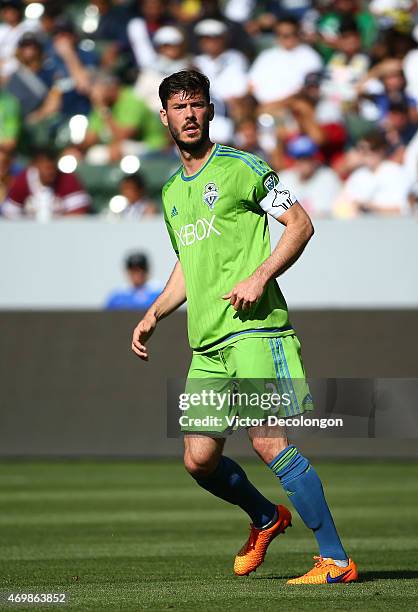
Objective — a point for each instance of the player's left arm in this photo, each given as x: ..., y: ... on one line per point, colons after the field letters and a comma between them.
x: 280, y: 204
x: 297, y: 233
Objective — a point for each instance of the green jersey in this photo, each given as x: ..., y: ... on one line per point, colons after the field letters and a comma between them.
x: 220, y: 232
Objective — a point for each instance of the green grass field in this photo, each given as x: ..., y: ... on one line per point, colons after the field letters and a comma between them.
x: 143, y: 536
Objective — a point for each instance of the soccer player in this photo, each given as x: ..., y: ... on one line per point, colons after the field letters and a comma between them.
x: 214, y: 209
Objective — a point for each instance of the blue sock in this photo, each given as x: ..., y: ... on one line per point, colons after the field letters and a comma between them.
x: 230, y: 483
x: 304, y: 488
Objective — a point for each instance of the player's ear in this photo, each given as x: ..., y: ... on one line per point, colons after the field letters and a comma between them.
x: 163, y: 117
x: 211, y: 111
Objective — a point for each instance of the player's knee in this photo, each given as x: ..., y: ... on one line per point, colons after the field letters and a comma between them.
x: 198, y: 466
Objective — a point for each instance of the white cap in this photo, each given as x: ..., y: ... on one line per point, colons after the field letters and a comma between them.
x: 168, y: 35
x: 210, y: 27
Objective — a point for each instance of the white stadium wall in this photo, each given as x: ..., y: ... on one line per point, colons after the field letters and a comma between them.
x: 74, y: 263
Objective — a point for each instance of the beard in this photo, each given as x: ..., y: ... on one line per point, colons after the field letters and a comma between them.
x: 191, y: 146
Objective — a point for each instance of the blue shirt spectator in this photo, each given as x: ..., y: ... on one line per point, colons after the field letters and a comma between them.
x: 142, y: 292
x: 134, y: 298
x: 113, y: 20
x: 70, y: 62
x: 31, y: 81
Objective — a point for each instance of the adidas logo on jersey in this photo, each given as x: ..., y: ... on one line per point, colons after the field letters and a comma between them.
x: 174, y: 212
x: 200, y: 230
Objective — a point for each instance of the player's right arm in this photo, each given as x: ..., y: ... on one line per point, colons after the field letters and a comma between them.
x: 172, y: 296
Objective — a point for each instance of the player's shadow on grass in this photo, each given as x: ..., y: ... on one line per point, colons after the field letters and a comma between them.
x: 363, y: 577
x: 388, y: 575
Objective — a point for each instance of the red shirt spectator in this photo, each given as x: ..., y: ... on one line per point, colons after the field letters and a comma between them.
x: 42, y: 191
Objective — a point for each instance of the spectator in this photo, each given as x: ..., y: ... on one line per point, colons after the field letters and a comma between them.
x: 300, y: 119
x: 347, y: 66
x: 141, y: 30
x: 238, y: 38
x: 120, y: 123
x: 110, y: 35
x: 52, y: 11
x: 315, y: 185
x: 139, y: 205
x: 393, y: 12
x: 279, y: 72
x: 171, y: 57
x: 10, y: 121
x: 42, y: 191
x: 141, y: 293
x: 286, y: 95
x: 382, y: 87
x: 327, y: 27
x: 247, y: 137
x: 307, y: 113
x: 225, y: 68
x: 385, y: 85
x: 399, y: 129
x: 227, y: 71
x: 112, y: 31
x: 31, y: 83
x: 72, y: 67
x: 327, y: 110
x: 328, y: 115
x: 12, y: 27
x: 377, y: 185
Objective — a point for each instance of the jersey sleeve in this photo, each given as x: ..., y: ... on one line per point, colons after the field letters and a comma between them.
x: 267, y: 193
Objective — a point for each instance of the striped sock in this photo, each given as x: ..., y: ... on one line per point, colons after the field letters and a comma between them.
x: 304, y: 488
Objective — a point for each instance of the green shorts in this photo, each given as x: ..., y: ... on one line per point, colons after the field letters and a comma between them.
x: 250, y: 378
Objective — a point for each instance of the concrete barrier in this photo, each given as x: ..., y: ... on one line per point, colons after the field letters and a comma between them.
x: 70, y: 386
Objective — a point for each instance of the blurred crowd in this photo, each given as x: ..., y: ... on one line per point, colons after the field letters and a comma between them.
x: 325, y: 91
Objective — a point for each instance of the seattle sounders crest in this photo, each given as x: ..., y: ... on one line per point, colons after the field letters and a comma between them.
x: 210, y: 195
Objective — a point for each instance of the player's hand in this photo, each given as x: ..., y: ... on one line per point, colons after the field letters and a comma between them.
x: 246, y: 293
x: 142, y: 332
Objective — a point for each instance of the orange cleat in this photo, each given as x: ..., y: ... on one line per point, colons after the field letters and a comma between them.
x: 325, y: 571
x: 254, y: 550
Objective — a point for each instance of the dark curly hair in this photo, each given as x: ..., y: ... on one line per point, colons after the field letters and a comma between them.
x: 189, y: 81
